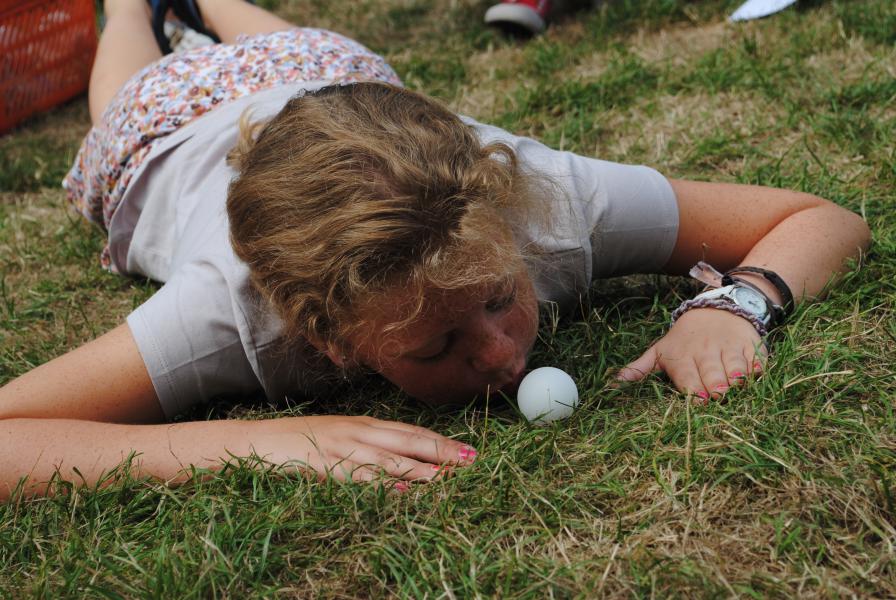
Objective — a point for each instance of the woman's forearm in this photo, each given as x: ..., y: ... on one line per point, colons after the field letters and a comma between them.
x: 356, y: 447
x: 803, y: 238
x: 83, y: 451
x: 809, y: 250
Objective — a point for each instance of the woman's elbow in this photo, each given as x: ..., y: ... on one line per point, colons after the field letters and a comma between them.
x: 849, y: 223
x: 861, y: 232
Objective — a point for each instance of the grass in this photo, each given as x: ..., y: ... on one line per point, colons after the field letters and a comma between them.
x: 788, y: 489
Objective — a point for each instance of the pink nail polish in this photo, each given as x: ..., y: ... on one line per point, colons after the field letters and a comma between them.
x: 721, y: 387
x: 757, y: 366
x: 400, y: 486
x: 467, y: 454
x: 702, y: 394
x: 736, y: 375
x: 436, y: 467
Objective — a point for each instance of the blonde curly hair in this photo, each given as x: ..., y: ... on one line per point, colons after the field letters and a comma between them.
x: 355, y: 191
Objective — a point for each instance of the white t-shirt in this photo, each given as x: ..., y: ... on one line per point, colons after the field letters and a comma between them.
x: 208, y: 333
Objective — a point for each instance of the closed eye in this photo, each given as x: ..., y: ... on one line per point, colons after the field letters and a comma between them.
x: 449, y: 341
x: 500, y: 303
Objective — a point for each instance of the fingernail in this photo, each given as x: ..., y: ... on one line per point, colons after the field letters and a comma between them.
x: 702, y: 394
x: 736, y: 375
x: 467, y: 454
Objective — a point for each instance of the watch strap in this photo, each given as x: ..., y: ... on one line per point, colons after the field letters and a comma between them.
x: 770, y: 276
x: 776, y: 310
x: 729, y: 294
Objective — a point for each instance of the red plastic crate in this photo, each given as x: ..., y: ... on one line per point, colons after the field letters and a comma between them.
x: 46, y: 51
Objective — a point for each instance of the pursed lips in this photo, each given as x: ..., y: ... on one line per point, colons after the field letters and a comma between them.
x: 509, y: 386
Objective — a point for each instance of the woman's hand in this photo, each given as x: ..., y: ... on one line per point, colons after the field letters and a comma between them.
x: 359, y: 448
x: 706, y: 352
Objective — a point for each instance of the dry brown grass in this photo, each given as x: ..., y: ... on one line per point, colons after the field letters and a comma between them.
x: 680, y: 45
x: 64, y: 290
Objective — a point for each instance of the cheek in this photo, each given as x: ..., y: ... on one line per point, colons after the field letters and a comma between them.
x: 524, y: 320
x: 432, y: 385
x: 414, y: 378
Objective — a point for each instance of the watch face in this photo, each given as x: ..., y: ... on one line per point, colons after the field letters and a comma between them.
x: 750, y: 300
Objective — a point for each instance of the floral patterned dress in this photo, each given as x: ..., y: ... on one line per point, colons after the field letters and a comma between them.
x: 178, y: 88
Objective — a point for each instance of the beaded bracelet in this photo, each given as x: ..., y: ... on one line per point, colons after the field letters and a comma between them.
x: 722, y: 305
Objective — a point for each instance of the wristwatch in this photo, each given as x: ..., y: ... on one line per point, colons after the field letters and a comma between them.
x: 745, y: 297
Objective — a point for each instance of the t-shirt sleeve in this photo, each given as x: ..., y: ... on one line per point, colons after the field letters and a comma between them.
x: 189, y: 338
x: 623, y: 218
x: 635, y: 228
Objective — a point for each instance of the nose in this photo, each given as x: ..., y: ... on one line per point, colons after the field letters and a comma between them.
x: 494, y: 352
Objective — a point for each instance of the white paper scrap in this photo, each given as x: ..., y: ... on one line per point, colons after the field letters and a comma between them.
x: 756, y: 9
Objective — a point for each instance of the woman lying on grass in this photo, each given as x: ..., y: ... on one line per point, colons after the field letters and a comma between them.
x: 311, y: 218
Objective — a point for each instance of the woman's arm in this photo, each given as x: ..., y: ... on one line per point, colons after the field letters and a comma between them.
x: 82, y: 414
x: 357, y: 448
x: 803, y: 238
x: 806, y: 240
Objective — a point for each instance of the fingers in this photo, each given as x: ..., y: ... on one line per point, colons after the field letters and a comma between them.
x: 714, y: 379
x: 418, y: 442
x: 700, y: 377
x: 395, y: 450
x: 748, y: 363
x: 383, y: 462
x: 737, y: 367
x: 383, y: 469
x: 398, y: 425
x: 364, y: 449
x: 685, y: 374
x: 718, y: 373
x: 641, y: 367
x: 757, y: 357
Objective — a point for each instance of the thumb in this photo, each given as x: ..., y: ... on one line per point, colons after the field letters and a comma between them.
x: 641, y: 367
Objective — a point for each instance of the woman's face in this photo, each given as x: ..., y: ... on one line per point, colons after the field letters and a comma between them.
x: 465, y: 343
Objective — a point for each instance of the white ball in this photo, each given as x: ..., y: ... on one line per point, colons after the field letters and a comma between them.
x: 547, y: 394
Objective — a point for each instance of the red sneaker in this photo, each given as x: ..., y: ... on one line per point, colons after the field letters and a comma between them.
x: 529, y: 15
